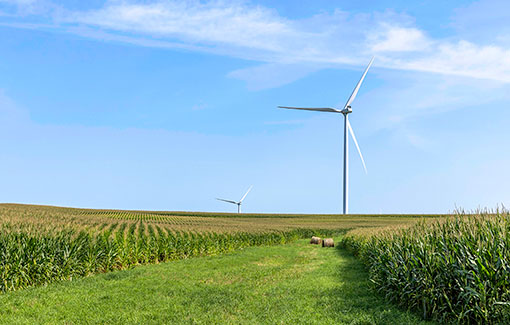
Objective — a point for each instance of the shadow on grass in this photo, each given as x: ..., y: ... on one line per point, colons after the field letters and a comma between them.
x: 355, y: 296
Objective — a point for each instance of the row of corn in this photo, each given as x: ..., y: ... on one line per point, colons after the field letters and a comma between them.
x: 451, y: 270
x: 28, y: 258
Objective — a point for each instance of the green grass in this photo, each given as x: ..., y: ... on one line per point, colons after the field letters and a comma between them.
x: 293, y: 283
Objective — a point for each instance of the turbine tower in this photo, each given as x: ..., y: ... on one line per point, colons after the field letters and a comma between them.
x: 239, y: 202
x: 347, y: 129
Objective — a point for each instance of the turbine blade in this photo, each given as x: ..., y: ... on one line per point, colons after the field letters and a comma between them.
x: 246, y: 194
x: 233, y: 202
x: 357, y: 146
x: 321, y: 109
x: 355, y: 91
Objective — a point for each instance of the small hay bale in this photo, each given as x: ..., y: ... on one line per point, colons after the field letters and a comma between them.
x: 328, y: 242
x: 316, y: 240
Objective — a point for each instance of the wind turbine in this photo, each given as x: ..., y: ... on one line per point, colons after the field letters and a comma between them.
x: 240, y: 201
x: 347, y: 129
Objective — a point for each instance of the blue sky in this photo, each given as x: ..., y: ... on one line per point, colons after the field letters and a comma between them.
x: 168, y: 104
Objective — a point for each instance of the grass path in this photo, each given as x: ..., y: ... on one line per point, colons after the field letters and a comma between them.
x: 289, y: 284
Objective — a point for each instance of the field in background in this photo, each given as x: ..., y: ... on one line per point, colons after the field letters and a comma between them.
x: 48, y: 219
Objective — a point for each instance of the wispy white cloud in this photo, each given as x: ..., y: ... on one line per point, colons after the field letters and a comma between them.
x: 462, y: 58
x: 398, y: 39
x: 245, y: 30
x: 211, y: 22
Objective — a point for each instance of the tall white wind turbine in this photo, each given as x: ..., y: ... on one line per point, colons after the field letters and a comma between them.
x: 347, y: 129
x: 239, y: 202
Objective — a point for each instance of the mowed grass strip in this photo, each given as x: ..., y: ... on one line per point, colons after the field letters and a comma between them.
x: 295, y: 283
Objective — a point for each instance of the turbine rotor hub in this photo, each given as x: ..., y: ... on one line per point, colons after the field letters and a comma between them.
x: 346, y: 110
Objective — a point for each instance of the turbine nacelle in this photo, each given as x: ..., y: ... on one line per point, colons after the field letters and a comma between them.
x: 346, y: 110
x: 238, y: 203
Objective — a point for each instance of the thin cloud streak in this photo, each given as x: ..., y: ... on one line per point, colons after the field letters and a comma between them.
x: 253, y: 32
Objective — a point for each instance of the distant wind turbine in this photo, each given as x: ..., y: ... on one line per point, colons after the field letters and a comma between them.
x: 347, y: 129
x: 240, y: 201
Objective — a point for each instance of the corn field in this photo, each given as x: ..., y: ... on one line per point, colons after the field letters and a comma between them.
x: 454, y: 269
x: 47, y: 218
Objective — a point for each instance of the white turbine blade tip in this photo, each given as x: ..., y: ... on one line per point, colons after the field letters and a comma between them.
x: 355, y: 91
x: 246, y: 194
x: 357, y: 146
